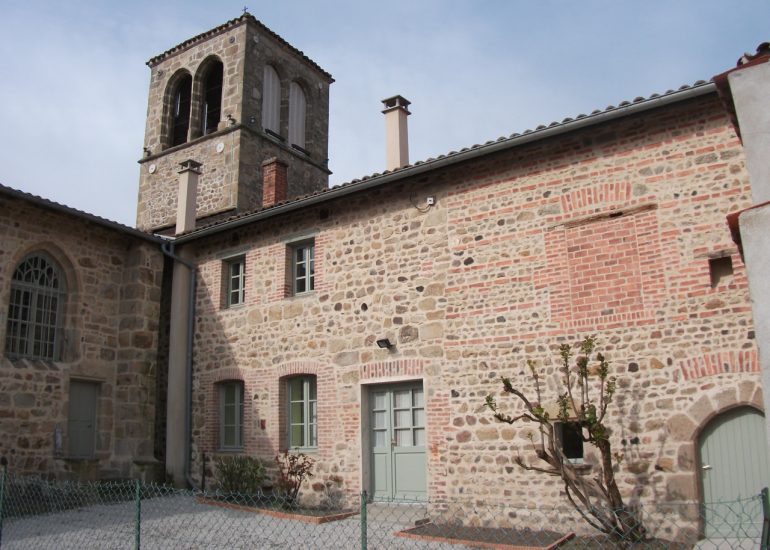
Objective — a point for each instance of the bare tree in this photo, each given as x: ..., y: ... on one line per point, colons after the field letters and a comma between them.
x: 587, y: 393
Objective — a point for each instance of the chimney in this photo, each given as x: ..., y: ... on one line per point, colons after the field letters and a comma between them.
x: 274, y: 181
x: 396, y: 135
x: 187, y: 195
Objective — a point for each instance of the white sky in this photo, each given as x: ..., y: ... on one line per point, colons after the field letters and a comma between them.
x: 73, y: 80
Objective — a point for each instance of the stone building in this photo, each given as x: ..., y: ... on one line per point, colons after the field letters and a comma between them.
x: 81, y: 303
x: 365, y: 324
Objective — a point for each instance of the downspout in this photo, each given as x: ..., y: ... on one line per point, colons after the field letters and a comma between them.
x: 168, y: 250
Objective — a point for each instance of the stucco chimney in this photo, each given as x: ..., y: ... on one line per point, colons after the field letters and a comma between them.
x: 396, y: 134
x: 274, y: 181
x: 187, y: 197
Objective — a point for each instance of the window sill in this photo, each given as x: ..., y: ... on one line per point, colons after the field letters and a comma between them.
x: 301, y: 450
x: 301, y: 295
x: 230, y: 451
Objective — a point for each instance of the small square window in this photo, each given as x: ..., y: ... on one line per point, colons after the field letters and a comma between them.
x: 234, y: 271
x: 570, y: 437
x: 231, y: 416
x: 721, y: 270
x: 303, y: 267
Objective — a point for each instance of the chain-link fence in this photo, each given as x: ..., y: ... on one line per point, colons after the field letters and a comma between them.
x: 40, y: 514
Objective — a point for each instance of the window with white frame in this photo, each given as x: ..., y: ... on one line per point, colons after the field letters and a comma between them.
x: 303, y: 267
x: 235, y: 281
x: 570, y: 437
x: 302, y: 405
x: 36, y: 309
x: 231, y: 415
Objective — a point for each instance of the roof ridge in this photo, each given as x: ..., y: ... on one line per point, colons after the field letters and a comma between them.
x: 511, y: 139
x: 245, y: 18
x: 48, y: 203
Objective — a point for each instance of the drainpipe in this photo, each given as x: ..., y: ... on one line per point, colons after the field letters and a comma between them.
x: 168, y: 250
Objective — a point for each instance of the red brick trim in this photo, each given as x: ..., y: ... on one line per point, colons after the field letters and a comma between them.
x: 720, y: 362
x: 386, y: 369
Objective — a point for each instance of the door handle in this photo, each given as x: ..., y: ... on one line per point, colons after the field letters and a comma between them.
x: 706, y: 467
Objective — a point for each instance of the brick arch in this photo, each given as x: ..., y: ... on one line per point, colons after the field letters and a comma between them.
x: 388, y: 369
x: 296, y: 368
x: 718, y: 362
x: 596, y: 198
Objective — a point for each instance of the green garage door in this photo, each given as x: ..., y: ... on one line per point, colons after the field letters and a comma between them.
x: 734, y: 465
x: 398, y: 442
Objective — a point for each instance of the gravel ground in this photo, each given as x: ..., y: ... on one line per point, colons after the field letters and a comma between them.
x: 182, y: 522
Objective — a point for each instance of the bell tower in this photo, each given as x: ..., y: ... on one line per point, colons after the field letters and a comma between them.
x: 229, y: 99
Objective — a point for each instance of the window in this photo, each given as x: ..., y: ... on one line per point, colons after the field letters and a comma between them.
x: 570, y: 435
x: 720, y: 270
x: 303, y: 267
x: 230, y: 415
x: 212, y: 98
x: 36, y: 309
x: 271, y: 101
x: 235, y: 281
x: 301, y: 393
x: 297, y: 107
x: 180, y: 110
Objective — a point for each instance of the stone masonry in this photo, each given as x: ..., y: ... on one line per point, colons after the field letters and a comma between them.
x: 232, y: 155
x: 110, y: 338
x: 608, y: 230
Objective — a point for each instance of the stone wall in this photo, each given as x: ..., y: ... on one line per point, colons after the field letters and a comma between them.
x: 605, y: 231
x: 232, y: 156
x: 110, y: 337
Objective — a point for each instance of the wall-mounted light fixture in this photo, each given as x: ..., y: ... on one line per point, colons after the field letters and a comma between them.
x: 384, y: 343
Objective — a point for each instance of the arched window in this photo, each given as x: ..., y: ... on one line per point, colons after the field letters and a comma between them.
x: 180, y: 110
x: 36, y: 309
x: 212, y: 98
x: 297, y: 107
x: 271, y: 101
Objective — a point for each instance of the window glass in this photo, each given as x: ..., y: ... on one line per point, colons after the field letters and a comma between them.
x: 212, y: 99
x: 303, y: 267
x: 302, y: 415
x: 180, y: 110
x: 35, y: 309
x: 231, y: 415
x: 236, y: 281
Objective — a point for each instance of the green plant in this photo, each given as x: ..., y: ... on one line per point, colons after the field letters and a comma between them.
x: 587, y: 391
x: 293, y: 470
x: 239, y: 473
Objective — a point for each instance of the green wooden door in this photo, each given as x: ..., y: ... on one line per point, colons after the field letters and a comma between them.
x: 398, y: 442
x: 734, y: 466
x: 81, y: 424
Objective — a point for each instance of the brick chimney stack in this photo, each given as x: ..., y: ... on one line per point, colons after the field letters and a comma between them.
x: 187, y: 196
x: 274, y: 181
x: 396, y: 134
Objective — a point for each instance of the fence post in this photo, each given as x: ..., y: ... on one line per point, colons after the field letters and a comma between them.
x: 363, y: 520
x: 765, y: 540
x: 3, y: 479
x: 138, y: 517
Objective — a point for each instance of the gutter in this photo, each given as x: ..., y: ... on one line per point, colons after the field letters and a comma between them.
x: 168, y: 250
x: 452, y: 159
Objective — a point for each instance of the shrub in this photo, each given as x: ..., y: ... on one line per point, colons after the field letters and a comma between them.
x: 293, y: 470
x: 240, y: 473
